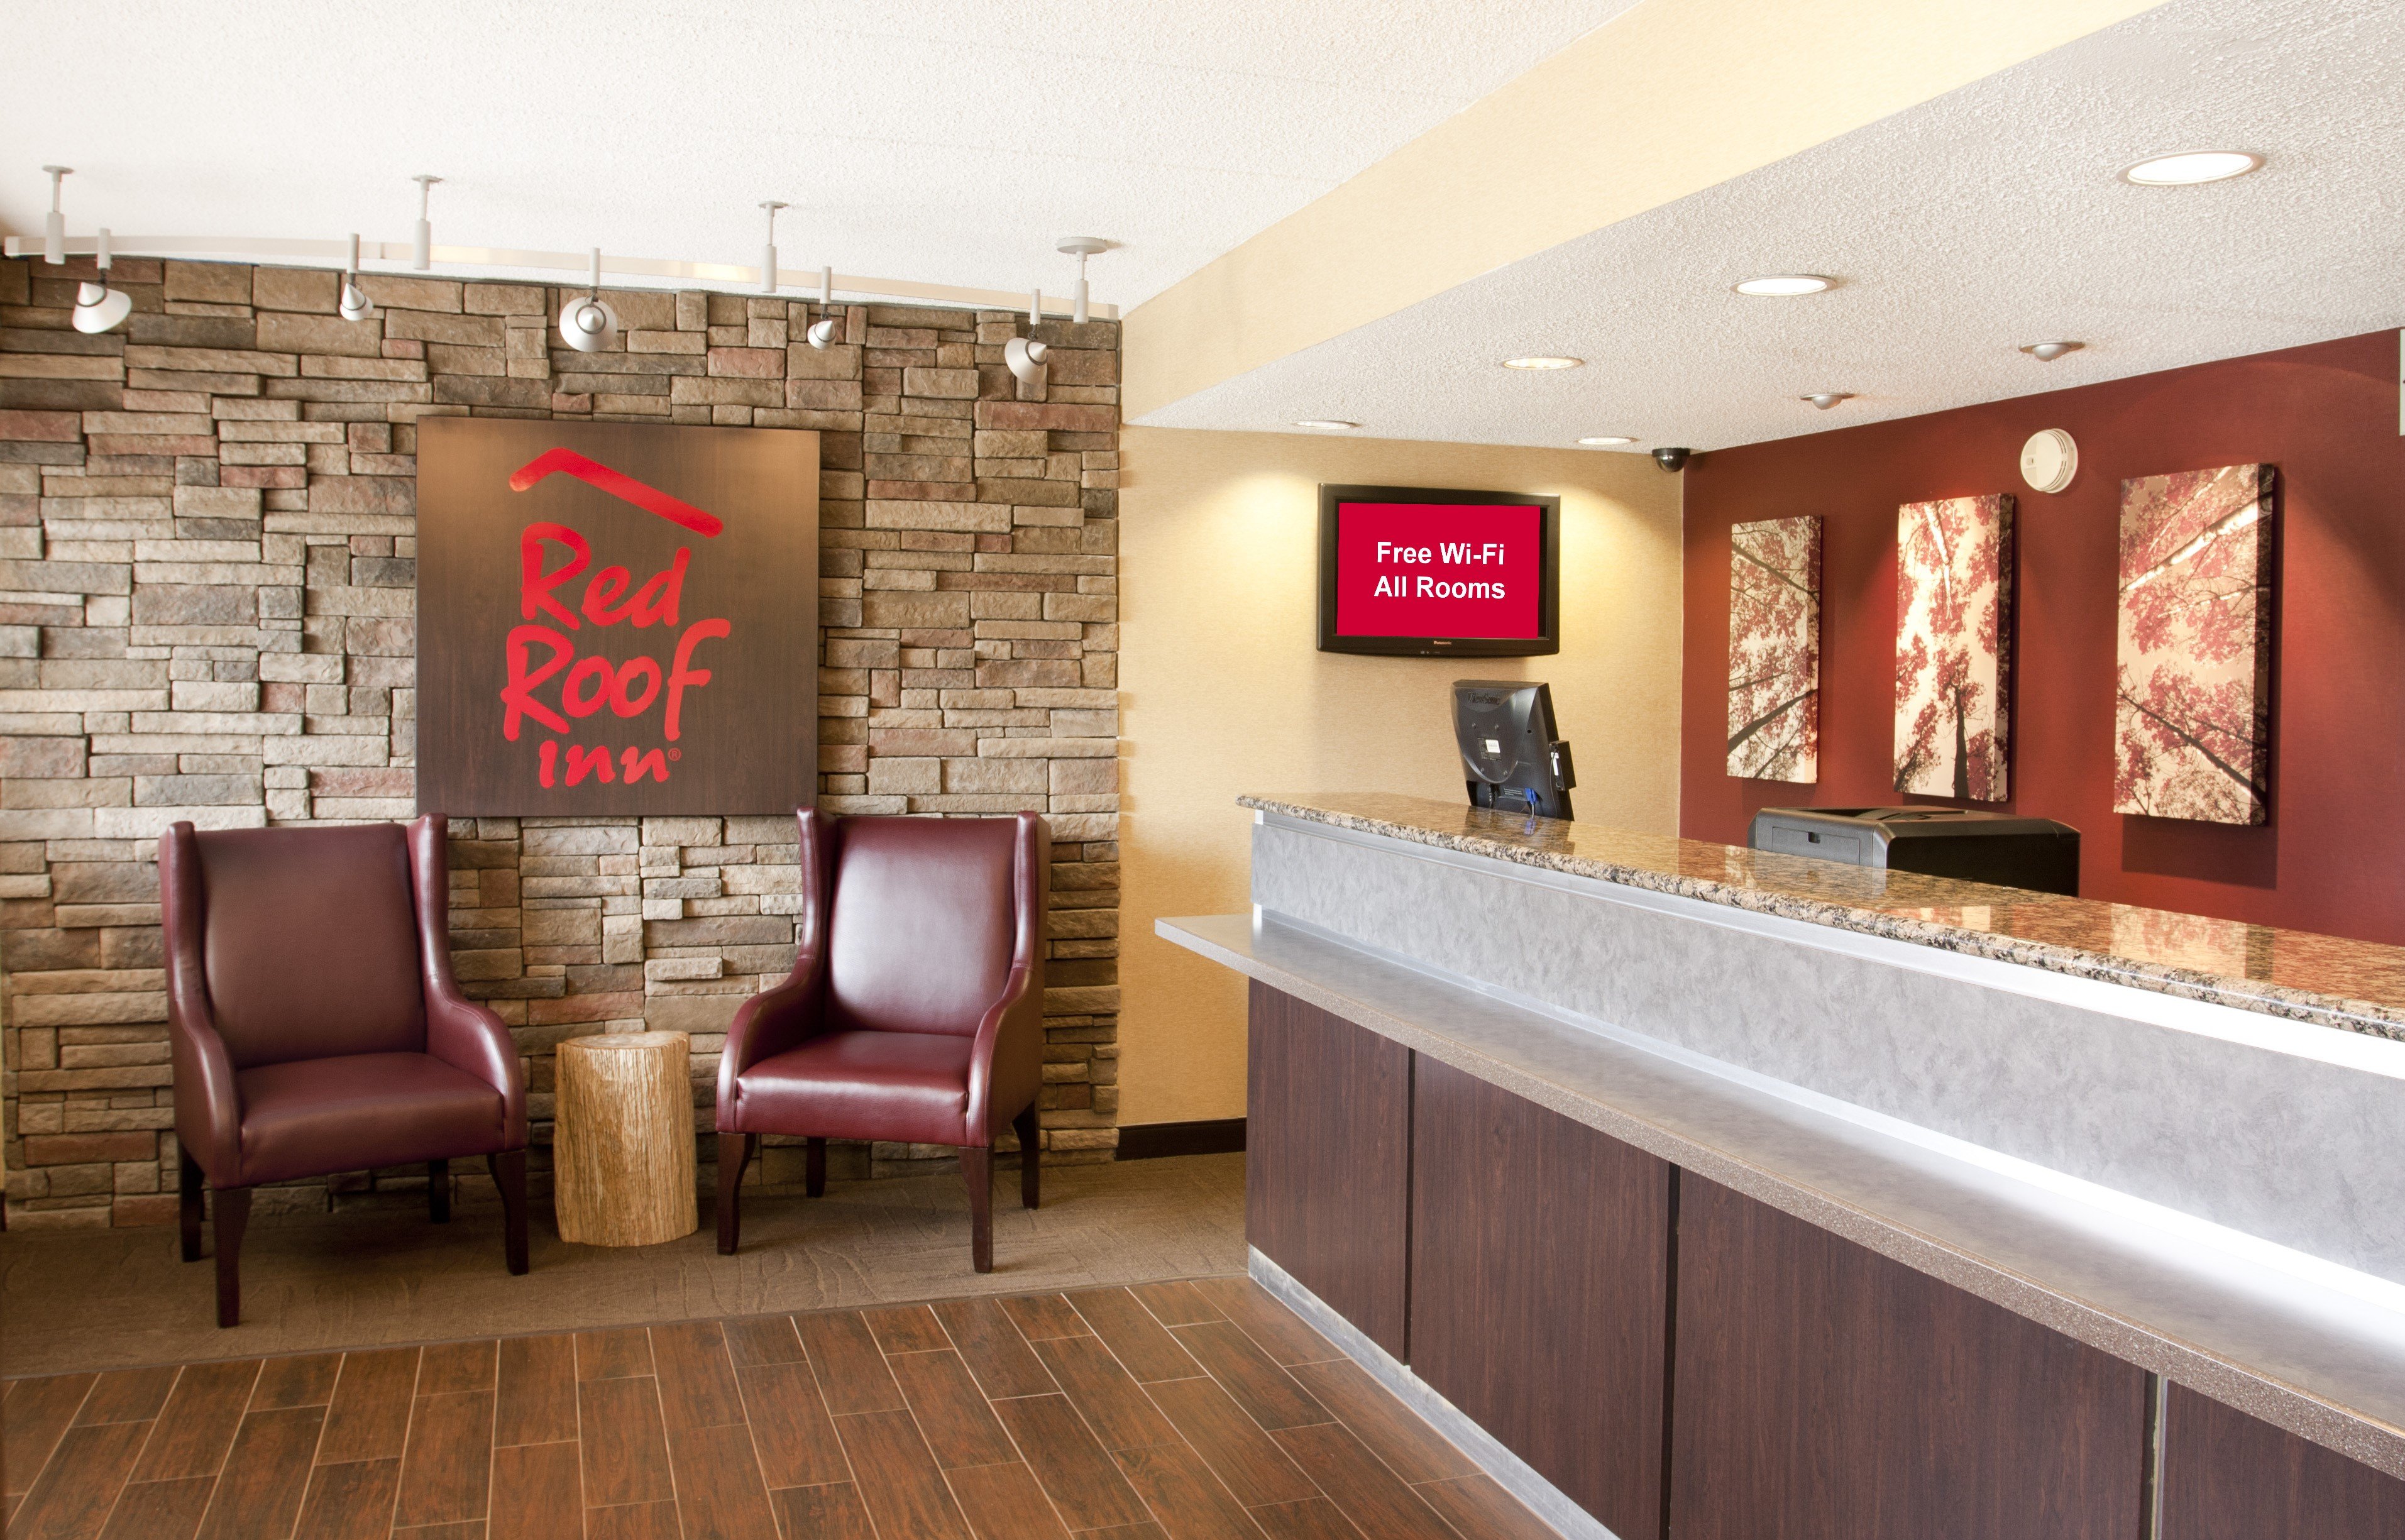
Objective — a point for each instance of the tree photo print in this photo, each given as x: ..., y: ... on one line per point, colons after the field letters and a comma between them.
x: 1953, y: 668
x: 1774, y: 656
x: 2193, y: 691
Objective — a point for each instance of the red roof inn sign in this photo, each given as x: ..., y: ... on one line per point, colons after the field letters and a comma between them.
x: 615, y: 618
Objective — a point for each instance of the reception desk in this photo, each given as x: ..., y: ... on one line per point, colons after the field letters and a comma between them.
x: 1699, y: 1191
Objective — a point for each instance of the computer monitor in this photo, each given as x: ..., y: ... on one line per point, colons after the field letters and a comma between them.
x: 1514, y: 762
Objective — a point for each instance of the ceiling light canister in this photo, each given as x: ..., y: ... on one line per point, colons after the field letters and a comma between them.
x: 2191, y: 167
x: 1024, y: 355
x: 353, y: 302
x: 1608, y: 441
x: 824, y: 331
x: 1543, y: 361
x: 1824, y: 400
x: 1081, y: 248
x: 2047, y: 353
x: 421, y: 255
x: 1783, y: 286
x: 588, y: 324
x: 768, y: 250
x: 98, y: 307
x: 1332, y: 423
x: 54, y: 228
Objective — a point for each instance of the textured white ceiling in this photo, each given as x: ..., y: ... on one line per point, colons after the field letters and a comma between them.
x: 941, y: 141
x: 1987, y: 219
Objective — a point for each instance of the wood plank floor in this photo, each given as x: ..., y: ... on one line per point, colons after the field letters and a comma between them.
x: 1195, y: 1410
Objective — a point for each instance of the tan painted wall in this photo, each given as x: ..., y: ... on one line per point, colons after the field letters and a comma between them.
x: 1223, y: 691
x: 1671, y: 97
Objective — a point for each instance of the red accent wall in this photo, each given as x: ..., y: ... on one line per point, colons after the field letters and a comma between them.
x: 2332, y: 857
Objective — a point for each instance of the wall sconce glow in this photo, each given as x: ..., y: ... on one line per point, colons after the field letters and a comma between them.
x: 1783, y: 286
x: 99, y: 307
x: 1608, y: 441
x: 1543, y: 361
x: 353, y: 303
x: 1824, y: 400
x: 1336, y: 425
x: 824, y: 331
x: 2047, y: 353
x: 589, y: 325
x: 2189, y: 168
x: 421, y: 253
x: 1023, y: 355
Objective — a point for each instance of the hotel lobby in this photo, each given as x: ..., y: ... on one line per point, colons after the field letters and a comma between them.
x: 1592, y: 768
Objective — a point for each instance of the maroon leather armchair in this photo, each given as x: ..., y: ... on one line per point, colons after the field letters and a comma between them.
x: 914, y: 1011
x: 316, y: 1026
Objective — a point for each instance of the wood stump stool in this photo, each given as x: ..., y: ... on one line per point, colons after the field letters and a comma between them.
x: 622, y: 1142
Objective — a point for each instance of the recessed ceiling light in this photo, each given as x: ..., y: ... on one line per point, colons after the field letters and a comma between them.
x: 1326, y: 422
x: 2189, y: 167
x: 1783, y: 286
x: 1824, y: 400
x: 1543, y: 361
x: 1608, y: 441
x: 2047, y: 353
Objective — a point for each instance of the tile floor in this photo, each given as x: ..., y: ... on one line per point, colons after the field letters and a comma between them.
x: 1180, y: 1410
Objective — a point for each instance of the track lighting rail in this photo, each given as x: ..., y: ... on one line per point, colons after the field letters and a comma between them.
x: 564, y: 268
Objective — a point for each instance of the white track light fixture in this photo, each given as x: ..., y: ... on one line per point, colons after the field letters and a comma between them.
x: 422, y: 256
x: 769, y: 252
x: 589, y: 325
x: 354, y: 302
x: 54, y: 228
x: 99, y: 307
x: 1081, y: 248
x: 824, y: 331
x: 1024, y: 354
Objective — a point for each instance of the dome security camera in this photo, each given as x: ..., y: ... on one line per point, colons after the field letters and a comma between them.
x: 1669, y: 459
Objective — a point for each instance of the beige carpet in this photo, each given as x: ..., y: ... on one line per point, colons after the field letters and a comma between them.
x: 76, y: 1300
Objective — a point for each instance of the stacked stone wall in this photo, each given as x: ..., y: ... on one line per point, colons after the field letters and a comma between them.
x: 207, y: 568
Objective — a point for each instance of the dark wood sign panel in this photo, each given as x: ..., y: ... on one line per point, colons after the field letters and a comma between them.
x: 615, y: 618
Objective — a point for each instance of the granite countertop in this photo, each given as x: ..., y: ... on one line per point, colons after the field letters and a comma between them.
x: 2355, y: 985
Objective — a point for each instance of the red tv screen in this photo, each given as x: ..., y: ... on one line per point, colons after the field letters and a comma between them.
x: 1464, y: 575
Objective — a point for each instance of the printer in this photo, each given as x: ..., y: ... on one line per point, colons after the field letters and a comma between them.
x: 1945, y: 841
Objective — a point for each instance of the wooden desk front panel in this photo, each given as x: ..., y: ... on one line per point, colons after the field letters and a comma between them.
x: 1540, y: 1255
x: 2230, y: 1476
x: 1327, y: 1160
x: 1823, y: 1390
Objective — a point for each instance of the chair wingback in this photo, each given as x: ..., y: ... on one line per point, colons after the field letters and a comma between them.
x: 924, y: 921
x: 307, y: 938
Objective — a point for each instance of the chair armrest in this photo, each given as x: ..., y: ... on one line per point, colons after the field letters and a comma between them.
x: 208, y: 1108
x: 461, y: 1034
x: 789, y: 1014
x: 1006, y: 1059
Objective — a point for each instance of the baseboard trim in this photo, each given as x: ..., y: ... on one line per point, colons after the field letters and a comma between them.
x: 1512, y: 1474
x: 1209, y: 1136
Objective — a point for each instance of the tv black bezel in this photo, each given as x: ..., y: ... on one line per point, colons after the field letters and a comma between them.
x: 1549, y: 581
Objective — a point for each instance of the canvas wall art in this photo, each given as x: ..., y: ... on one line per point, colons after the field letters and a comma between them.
x: 2193, y: 691
x: 1774, y: 655
x: 1953, y: 648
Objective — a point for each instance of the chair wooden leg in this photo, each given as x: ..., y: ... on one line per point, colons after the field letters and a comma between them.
x: 1031, y: 1157
x: 733, y: 1154
x: 232, y: 1218
x: 193, y: 1209
x: 438, y: 1191
x: 509, y: 1175
x: 814, y: 1170
x: 976, y: 1169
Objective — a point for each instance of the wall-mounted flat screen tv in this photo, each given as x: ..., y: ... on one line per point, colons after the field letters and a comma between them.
x: 1429, y: 572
